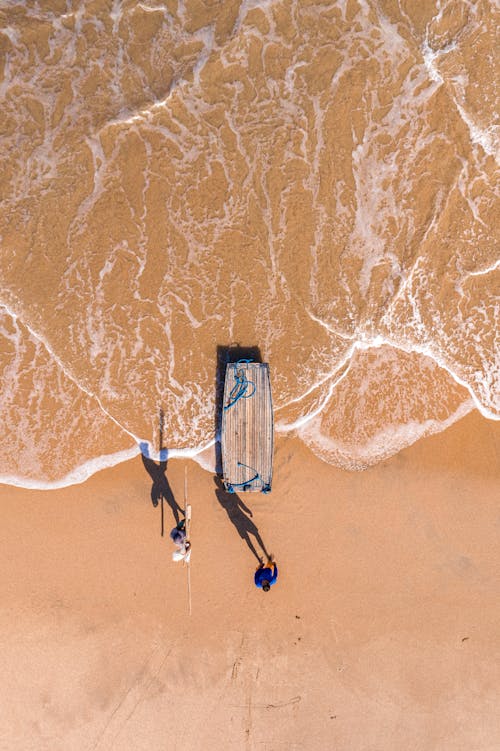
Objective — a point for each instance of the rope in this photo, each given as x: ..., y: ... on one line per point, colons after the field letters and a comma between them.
x: 234, y: 485
x: 241, y: 386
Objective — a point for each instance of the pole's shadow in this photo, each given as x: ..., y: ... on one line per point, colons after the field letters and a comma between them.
x: 226, y: 354
x: 238, y: 513
x: 160, y: 490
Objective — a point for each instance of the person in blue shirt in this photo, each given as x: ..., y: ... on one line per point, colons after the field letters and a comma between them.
x: 265, y: 577
x: 178, y: 537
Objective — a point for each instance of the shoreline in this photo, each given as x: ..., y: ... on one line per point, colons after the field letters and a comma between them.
x: 204, y: 456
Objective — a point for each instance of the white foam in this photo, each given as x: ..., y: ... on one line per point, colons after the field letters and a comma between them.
x: 245, y: 7
x: 206, y: 458
x: 204, y: 455
x: 98, y: 173
x: 387, y: 442
x: 115, y: 14
x: 430, y: 56
x: 364, y: 343
x: 487, y: 138
x: 188, y: 452
x: 207, y: 37
x: 12, y: 34
x: 494, y: 266
x: 282, y: 427
x: 77, y: 475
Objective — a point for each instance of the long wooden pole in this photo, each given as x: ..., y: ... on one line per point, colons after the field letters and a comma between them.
x: 187, y: 514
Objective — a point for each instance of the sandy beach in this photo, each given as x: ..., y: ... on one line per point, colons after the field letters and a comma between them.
x: 381, y: 632
x: 315, y: 184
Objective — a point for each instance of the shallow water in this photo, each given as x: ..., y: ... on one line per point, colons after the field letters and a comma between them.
x: 317, y: 180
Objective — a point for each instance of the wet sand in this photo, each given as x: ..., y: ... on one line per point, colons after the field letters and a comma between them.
x: 381, y: 633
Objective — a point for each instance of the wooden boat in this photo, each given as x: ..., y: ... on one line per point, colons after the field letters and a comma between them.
x: 247, y: 427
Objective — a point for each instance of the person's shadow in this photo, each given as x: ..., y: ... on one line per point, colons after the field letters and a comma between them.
x: 237, y: 513
x: 161, y: 490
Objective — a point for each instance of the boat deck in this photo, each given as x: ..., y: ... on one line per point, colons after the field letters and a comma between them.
x: 247, y: 428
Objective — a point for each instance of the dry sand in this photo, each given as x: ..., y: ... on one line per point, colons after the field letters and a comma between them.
x: 381, y: 633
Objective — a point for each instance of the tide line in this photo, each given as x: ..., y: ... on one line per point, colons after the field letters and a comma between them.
x: 77, y: 475
x: 84, y: 471
x: 364, y: 345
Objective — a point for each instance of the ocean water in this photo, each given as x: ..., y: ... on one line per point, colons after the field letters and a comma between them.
x: 316, y: 179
